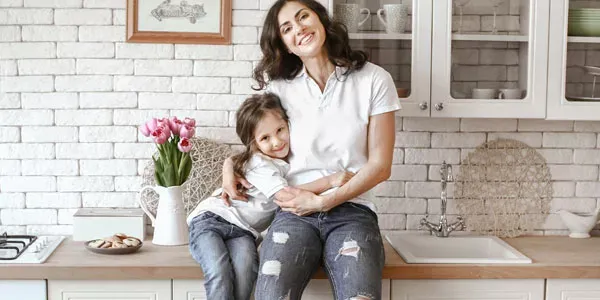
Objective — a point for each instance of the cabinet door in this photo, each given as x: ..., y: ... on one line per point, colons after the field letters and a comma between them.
x: 573, y: 289
x: 189, y: 289
x: 23, y: 289
x: 572, y: 93
x: 477, y: 289
x: 398, y: 40
x: 320, y: 289
x: 109, y: 289
x: 317, y: 289
x: 489, y: 58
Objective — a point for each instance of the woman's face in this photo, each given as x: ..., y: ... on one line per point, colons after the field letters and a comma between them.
x: 301, y: 30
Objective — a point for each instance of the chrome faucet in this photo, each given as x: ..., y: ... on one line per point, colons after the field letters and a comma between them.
x: 443, y: 229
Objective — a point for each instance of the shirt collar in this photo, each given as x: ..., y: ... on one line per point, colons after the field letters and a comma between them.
x: 339, y: 71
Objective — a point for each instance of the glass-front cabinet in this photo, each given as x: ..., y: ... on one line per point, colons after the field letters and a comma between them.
x: 456, y: 58
x: 574, y: 60
x: 396, y: 35
x: 489, y: 58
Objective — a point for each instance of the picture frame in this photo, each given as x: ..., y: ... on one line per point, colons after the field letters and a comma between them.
x: 179, y: 21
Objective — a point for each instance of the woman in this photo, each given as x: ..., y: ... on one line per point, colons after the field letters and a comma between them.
x: 341, y: 114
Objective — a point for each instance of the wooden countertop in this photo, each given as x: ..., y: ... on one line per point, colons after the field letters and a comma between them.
x: 553, y: 257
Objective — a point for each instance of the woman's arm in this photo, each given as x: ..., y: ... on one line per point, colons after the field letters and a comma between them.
x: 380, y: 137
x: 322, y: 184
x: 231, y: 182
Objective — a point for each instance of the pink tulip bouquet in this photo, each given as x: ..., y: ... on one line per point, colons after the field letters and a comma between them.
x: 172, y: 138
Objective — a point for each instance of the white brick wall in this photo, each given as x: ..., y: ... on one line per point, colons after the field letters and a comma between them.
x: 72, y: 94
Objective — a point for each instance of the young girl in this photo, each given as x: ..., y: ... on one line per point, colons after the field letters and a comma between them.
x: 223, y: 237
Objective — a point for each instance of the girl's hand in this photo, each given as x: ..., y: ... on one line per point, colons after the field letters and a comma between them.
x: 340, y: 178
x: 234, y: 187
x: 300, y: 202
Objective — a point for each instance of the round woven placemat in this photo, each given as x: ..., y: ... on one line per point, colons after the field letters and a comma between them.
x: 504, y: 189
x: 207, y: 165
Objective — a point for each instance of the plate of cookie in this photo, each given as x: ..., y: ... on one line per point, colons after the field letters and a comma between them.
x: 118, y: 243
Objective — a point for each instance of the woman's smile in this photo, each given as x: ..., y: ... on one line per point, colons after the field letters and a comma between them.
x: 307, y: 38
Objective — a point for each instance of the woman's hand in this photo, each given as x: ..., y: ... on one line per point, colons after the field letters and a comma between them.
x: 299, y: 202
x: 340, y: 178
x: 234, y: 187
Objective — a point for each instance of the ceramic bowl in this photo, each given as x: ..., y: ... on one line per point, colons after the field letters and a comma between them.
x: 113, y: 251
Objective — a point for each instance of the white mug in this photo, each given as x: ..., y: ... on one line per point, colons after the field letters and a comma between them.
x: 484, y: 93
x: 396, y: 15
x: 349, y: 13
x: 510, y: 94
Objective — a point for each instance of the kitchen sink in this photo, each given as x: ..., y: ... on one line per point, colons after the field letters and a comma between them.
x: 422, y: 248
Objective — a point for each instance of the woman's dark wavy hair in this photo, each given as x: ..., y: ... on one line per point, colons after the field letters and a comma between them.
x: 278, y: 63
x: 250, y: 113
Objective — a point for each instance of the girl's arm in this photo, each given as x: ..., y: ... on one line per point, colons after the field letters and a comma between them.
x: 380, y: 138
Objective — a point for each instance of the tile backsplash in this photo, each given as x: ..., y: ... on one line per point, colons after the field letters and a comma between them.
x: 72, y: 94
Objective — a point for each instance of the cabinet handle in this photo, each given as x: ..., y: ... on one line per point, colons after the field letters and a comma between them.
x: 439, y: 106
x: 423, y: 106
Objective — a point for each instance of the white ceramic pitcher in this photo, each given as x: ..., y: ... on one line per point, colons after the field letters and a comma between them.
x: 170, y: 227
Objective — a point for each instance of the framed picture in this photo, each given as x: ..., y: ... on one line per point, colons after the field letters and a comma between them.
x: 179, y: 21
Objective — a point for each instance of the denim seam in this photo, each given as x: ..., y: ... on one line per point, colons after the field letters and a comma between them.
x: 304, y: 284
x: 329, y: 274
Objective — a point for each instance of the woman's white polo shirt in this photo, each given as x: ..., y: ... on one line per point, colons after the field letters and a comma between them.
x: 328, y: 130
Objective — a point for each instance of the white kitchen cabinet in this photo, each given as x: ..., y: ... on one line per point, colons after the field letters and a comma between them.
x: 23, y: 289
x: 450, y: 48
x: 109, y: 289
x: 320, y: 289
x: 505, y: 51
x: 573, y: 289
x: 475, y: 289
x: 406, y: 55
x: 189, y: 289
x: 317, y: 289
x: 570, y: 87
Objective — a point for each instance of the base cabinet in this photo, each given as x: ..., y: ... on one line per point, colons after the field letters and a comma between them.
x: 189, y: 289
x: 23, y: 289
x: 320, y: 289
x: 109, y: 289
x: 573, y: 289
x: 476, y: 289
x: 317, y: 289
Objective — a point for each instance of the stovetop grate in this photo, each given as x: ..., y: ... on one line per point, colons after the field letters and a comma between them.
x: 7, y: 243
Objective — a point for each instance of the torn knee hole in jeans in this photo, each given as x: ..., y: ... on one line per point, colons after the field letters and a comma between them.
x: 280, y: 237
x: 286, y: 297
x: 349, y: 248
x: 361, y: 297
x: 271, y: 267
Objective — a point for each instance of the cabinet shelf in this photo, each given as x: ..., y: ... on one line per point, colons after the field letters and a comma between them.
x: 583, y: 39
x: 379, y: 35
x: 490, y: 37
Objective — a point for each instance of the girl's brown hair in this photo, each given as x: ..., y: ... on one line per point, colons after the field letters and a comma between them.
x: 247, y: 118
x: 278, y: 63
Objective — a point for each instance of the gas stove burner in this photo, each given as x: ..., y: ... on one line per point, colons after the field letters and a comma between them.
x: 12, y: 246
x: 27, y: 249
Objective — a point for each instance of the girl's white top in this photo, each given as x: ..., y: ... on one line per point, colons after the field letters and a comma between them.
x: 267, y: 175
x: 328, y: 130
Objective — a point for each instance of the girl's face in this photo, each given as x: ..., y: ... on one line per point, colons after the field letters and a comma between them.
x: 272, y: 136
x: 301, y: 30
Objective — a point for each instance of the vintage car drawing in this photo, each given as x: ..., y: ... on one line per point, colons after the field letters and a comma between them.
x: 183, y: 10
